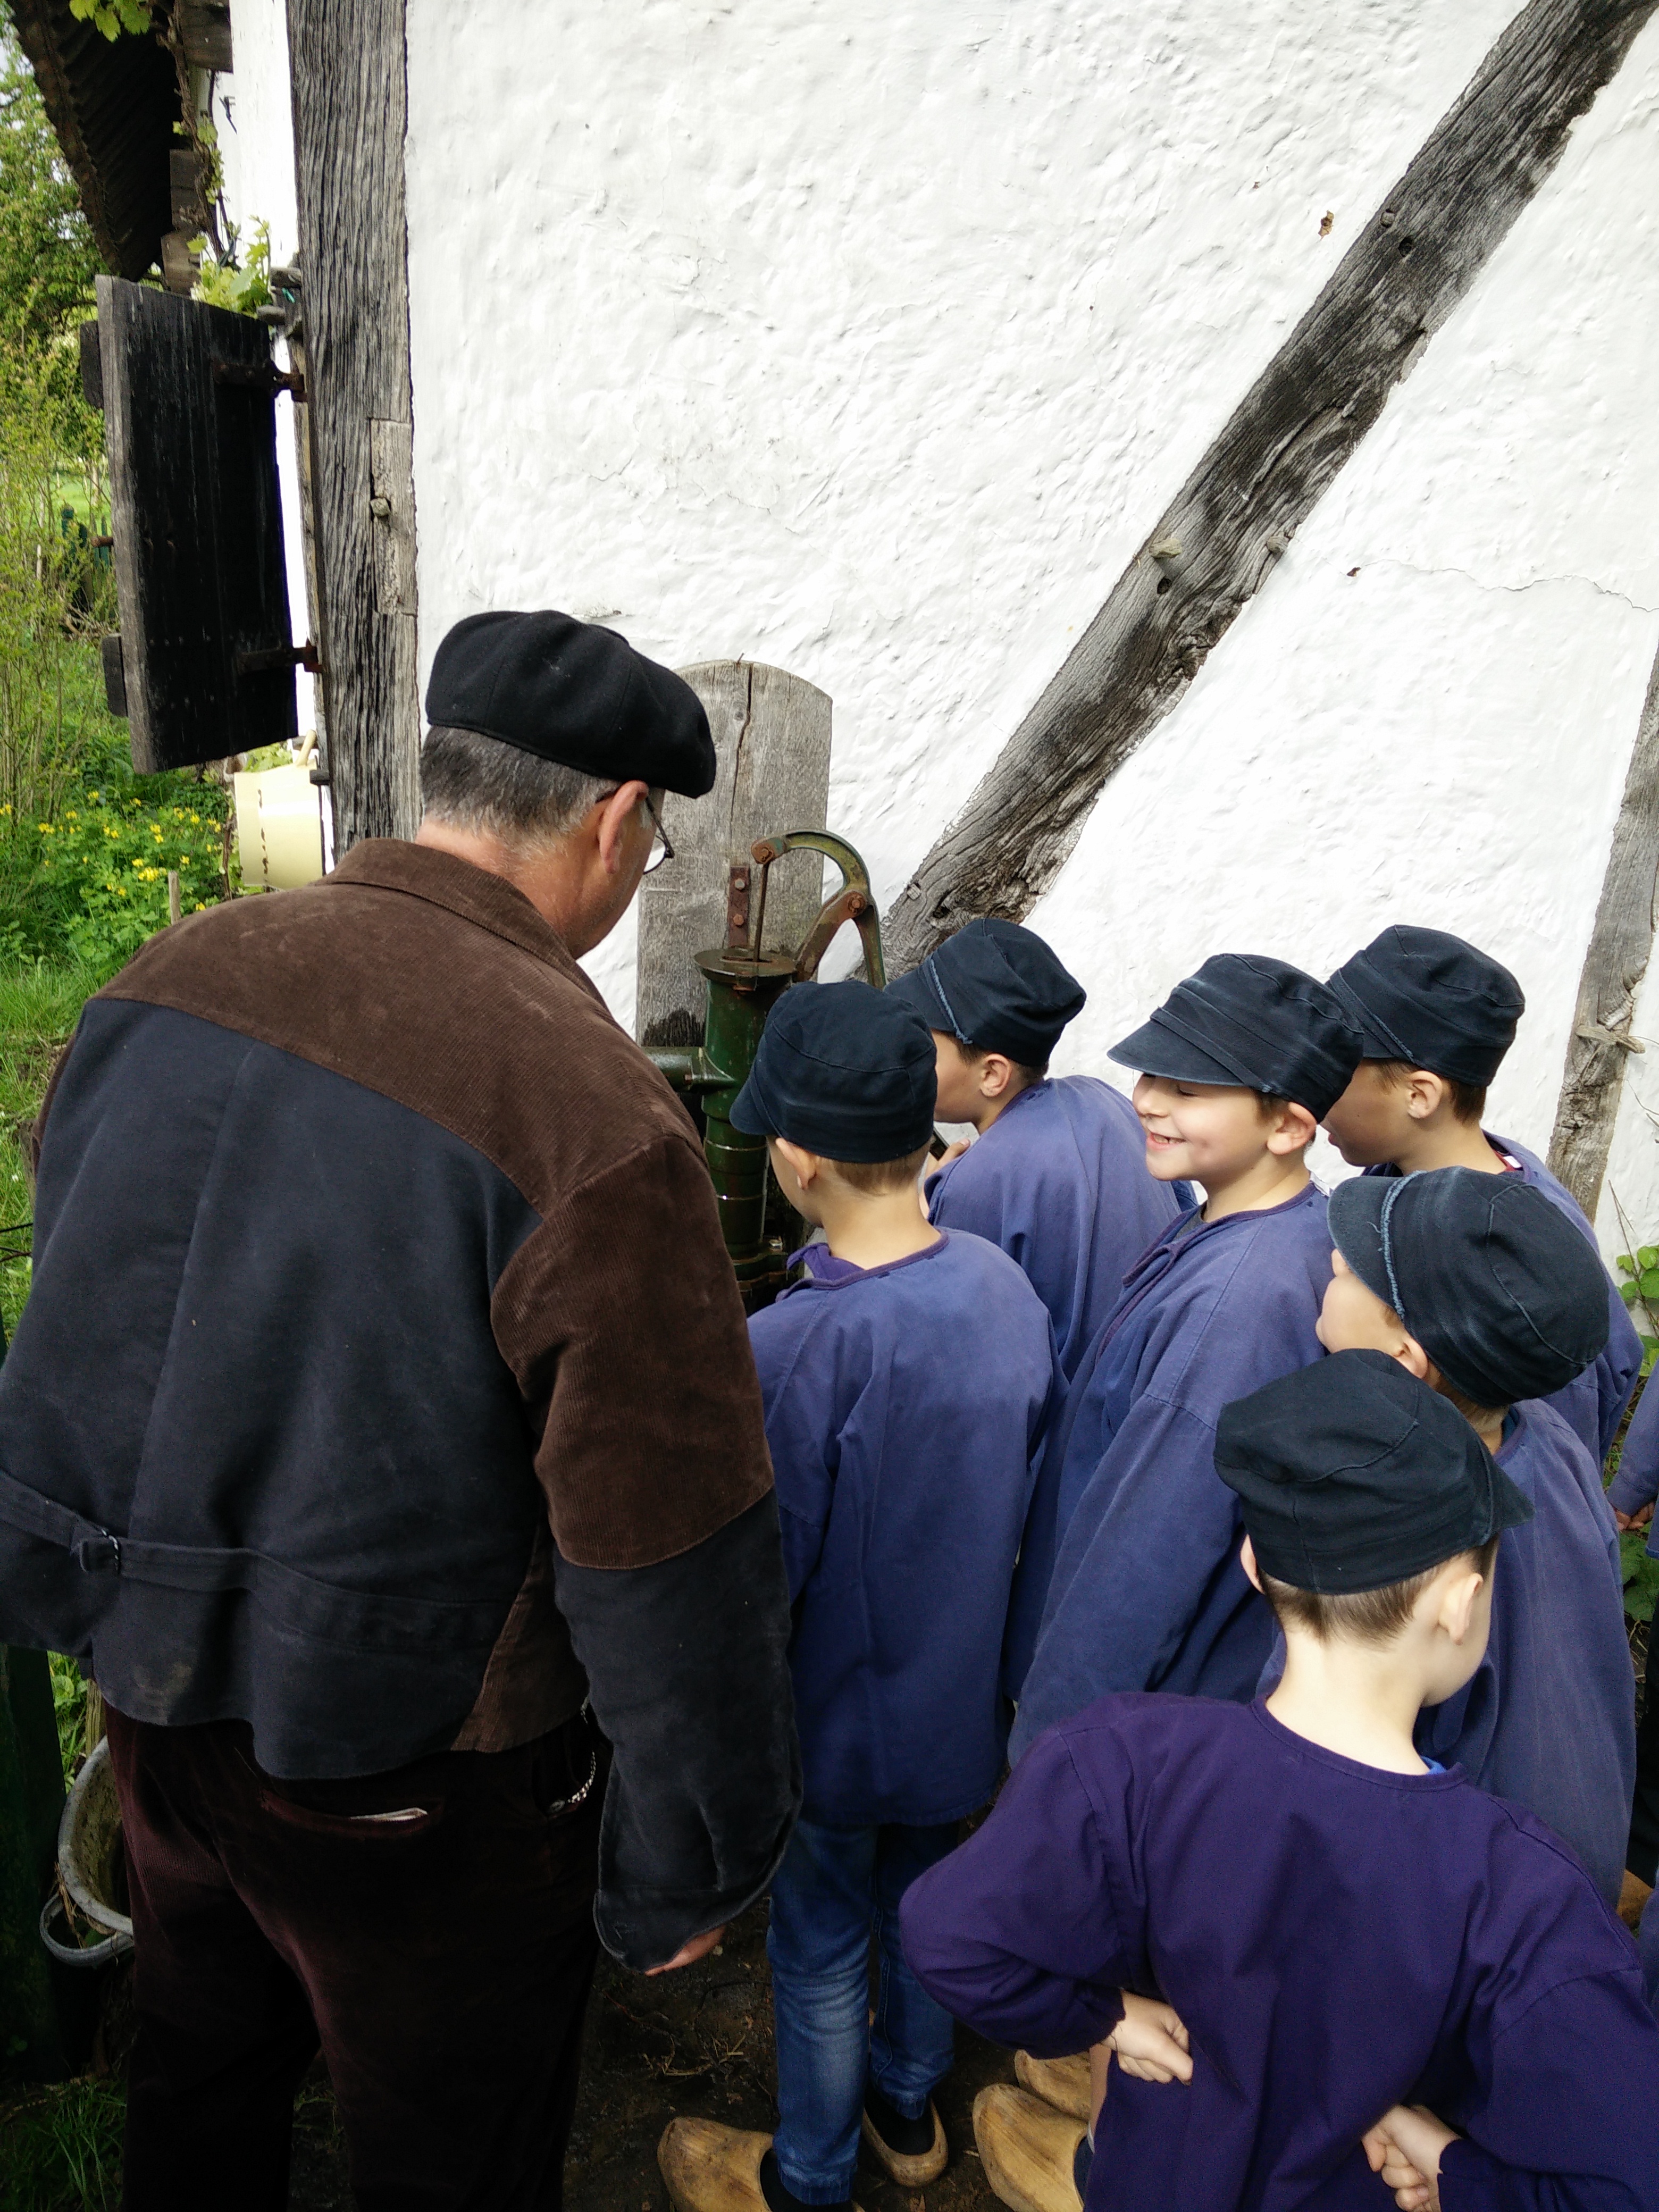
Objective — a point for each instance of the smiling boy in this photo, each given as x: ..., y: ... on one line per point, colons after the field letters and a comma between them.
x: 1129, y: 1578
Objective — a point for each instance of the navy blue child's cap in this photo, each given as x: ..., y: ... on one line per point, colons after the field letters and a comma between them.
x: 995, y: 988
x: 573, y: 693
x: 1430, y: 999
x: 1501, y: 1290
x: 1246, y: 1019
x: 848, y: 1073
x: 1353, y: 1475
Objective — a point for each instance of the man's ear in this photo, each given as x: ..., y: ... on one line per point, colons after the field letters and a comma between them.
x: 1247, y: 1560
x: 611, y: 818
x: 1293, y: 1130
x: 1425, y: 1093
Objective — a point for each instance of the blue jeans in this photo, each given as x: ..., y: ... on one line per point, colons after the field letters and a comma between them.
x: 835, y: 1886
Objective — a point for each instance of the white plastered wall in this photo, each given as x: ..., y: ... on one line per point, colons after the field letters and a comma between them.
x: 870, y: 340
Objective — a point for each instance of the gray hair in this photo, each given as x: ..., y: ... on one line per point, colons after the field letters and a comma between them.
x: 497, y: 790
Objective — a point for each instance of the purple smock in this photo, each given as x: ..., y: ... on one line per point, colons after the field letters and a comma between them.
x: 1337, y: 1940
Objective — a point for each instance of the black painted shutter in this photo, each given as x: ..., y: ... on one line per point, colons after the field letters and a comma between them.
x: 206, y: 659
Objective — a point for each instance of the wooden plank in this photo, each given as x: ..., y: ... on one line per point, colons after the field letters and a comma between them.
x: 1208, y: 553
x: 200, y: 575
x: 771, y: 733
x: 1620, y: 946
x: 348, y: 69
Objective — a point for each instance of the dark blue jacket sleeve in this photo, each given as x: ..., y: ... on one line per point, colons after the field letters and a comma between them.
x: 1015, y: 1932
x: 687, y: 1674
x: 1564, y: 2116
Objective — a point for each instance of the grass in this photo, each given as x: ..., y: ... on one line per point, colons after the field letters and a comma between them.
x: 60, y: 2148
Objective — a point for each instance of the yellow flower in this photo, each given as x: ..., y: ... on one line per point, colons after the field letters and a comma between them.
x: 200, y: 907
x: 195, y: 818
x: 122, y: 890
x: 91, y: 795
x: 43, y: 826
x: 6, y: 808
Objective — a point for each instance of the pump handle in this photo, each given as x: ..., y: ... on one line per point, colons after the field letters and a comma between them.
x: 853, y: 902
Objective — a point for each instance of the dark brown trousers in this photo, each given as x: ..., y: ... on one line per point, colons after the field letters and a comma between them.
x: 431, y: 1928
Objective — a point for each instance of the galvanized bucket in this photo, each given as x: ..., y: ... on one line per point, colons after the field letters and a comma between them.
x: 89, y: 1856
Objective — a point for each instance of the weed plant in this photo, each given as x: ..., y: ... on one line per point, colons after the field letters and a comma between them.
x: 60, y: 2148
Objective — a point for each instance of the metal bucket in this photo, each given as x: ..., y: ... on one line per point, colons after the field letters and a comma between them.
x: 90, y: 1870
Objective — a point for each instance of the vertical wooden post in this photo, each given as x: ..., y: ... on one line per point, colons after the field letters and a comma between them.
x: 30, y: 1805
x: 348, y: 70
x: 771, y: 732
x: 1620, y: 946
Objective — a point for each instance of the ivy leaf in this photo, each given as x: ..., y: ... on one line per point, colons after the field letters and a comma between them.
x: 1624, y: 1264
x: 1647, y: 1256
x: 1629, y: 1292
x: 1640, y: 1570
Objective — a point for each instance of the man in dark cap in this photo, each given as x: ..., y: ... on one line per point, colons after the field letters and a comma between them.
x: 1062, y: 1186
x: 1436, y: 1017
x: 1482, y: 1288
x: 382, y: 1433
x: 1129, y: 1577
x: 1372, y: 1968
x: 905, y: 1381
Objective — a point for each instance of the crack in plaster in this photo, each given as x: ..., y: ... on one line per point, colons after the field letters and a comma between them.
x: 1515, y: 590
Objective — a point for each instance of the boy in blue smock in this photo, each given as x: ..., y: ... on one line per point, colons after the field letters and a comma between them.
x: 1328, y: 1970
x: 1057, y: 1174
x: 1130, y: 1578
x: 1631, y: 1495
x: 1487, y: 1291
x: 1435, y: 1018
x: 905, y: 1382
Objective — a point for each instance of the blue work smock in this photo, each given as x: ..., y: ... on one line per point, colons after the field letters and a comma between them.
x: 1059, y: 1183
x: 905, y: 1406
x: 1548, y: 1720
x: 1130, y: 1578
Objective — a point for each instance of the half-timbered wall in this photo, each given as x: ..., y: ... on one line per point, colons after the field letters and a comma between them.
x: 872, y: 341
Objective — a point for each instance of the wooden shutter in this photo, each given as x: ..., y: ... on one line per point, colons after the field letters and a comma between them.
x: 206, y: 659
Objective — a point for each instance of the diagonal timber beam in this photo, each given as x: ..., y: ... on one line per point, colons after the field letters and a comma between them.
x: 1620, y: 946
x: 1282, y: 447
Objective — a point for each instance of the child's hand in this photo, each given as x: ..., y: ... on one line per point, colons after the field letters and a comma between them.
x: 1404, y: 2148
x: 1151, y: 2042
x: 1639, y: 1519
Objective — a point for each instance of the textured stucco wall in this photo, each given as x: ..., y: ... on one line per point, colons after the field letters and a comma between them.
x: 870, y: 339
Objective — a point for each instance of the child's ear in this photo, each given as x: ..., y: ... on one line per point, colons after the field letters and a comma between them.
x: 1293, y: 1130
x: 803, y: 1164
x: 1411, y: 1356
x: 1425, y: 1093
x: 1247, y: 1560
x: 996, y: 1073
x: 1457, y: 1605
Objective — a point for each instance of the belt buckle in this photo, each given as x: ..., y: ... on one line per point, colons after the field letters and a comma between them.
x: 99, y: 1554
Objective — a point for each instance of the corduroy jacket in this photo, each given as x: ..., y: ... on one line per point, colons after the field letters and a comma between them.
x: 383, y: 1382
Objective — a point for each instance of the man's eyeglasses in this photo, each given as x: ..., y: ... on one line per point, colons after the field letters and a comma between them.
x: 661, y: 850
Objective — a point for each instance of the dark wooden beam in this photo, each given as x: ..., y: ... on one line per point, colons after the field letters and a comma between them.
x: 349, y: 104
x: 1283, y: 445
x: 1620, y: 946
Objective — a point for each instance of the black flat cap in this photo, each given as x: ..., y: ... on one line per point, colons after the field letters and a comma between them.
x: 575, y: 694
x: 1431, y: 1000
x: 1508, y: 1299
x: 848, y: 1073
x: 1353, y: 1475
x: 1246, y: 1019
x: 996, y: 987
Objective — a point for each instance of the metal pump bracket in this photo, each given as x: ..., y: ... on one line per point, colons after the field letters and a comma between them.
x: 743, y: 982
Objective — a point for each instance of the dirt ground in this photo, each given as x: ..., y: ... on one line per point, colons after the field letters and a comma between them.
x: 698, y: 2042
